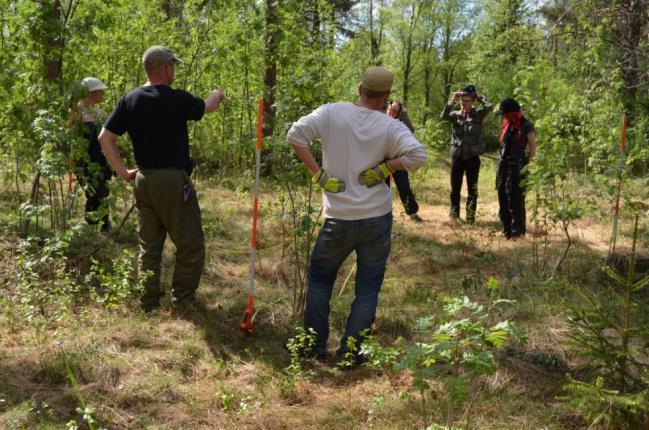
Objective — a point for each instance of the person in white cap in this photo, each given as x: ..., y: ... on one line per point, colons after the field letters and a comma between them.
x: 361, y: 147
x: 91, y: 167
x: 155, y: 117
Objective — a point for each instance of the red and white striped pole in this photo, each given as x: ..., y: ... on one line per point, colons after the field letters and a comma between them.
x: 616, y: 208
x: 249, y: 314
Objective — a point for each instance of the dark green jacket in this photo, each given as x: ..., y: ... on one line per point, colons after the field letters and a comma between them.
x: 466, y: 140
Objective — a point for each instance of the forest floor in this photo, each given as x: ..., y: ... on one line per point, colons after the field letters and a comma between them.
x: 192, y: 370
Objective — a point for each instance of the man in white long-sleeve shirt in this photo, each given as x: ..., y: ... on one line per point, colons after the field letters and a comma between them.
x: 361, y: 146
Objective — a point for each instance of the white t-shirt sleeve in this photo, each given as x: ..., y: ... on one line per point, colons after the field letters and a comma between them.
x: 309, y: 127
x: 404, y: 144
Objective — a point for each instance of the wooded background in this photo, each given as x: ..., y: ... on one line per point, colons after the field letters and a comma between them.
x: 575, y: 66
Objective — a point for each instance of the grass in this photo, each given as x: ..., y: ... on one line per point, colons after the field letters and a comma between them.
x: 191, y: 370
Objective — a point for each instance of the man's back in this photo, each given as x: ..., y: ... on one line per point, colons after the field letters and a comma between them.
x: 354, y: 139
x: 155, y: 118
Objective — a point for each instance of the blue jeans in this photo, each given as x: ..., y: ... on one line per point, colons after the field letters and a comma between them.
x: 371, y: 239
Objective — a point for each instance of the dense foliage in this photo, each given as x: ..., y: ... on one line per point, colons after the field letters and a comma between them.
x: 576, y: 66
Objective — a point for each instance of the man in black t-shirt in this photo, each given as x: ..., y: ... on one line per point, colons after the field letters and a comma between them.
x: 518, y: 147
x: 155, y: 117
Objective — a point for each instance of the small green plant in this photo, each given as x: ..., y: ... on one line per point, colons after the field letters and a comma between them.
x: 450, y: 355
x: 299, y: 347
x: 116, y: 285
x: 226, y: 398
x: 298, y: 217
x: 608, y: 332
x: 43, y: 288
x: 350, y: 358
x: 607, y: 408
x: 85, y: 410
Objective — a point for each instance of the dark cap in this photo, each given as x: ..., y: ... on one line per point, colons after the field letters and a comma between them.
x: 159, y: 54
x: 469, y: 90
x: 508, y: 105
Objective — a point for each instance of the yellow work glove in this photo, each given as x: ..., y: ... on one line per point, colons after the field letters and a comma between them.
x: 328, y: 183
x: 375, y: 175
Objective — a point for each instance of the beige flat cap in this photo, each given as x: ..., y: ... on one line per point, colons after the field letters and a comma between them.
x: 377, y: 79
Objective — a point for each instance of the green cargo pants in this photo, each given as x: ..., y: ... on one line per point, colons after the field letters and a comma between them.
x: 167, y: 204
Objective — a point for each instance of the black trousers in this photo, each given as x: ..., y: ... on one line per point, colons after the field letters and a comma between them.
x: 459, y: 168
x: 93, y: 178
x: 511, y: 197
x: 405, y: 192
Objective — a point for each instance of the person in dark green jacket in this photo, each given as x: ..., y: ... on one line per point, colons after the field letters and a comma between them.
x: 466, y: 147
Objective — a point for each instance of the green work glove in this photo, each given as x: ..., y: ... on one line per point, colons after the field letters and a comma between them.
x: 375, y: 175
x: 328, y: 183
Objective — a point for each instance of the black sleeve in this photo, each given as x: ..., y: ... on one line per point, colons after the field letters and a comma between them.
x: 447, y: 115
x: 193, y: 107
x: 117, y: 122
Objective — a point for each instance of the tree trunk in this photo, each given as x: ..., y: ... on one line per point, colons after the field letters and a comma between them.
x: 408, y: 63
x: 270, y: 71
x: 375, y: 39
x: 53, y: 43
x: 427, y: 83
x: 632, y: 26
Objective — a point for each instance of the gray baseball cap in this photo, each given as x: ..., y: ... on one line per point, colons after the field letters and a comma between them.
x: 159, y: 54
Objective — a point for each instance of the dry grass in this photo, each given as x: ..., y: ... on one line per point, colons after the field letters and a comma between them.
x: 193, y: 371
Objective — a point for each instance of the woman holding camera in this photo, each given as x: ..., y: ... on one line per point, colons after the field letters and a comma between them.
x: 466, y: 147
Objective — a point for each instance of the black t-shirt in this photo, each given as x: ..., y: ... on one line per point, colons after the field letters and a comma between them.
x: 155, y: 118
x: 515, y: 141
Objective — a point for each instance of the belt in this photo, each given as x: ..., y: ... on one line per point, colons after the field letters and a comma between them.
x: 161, y: 168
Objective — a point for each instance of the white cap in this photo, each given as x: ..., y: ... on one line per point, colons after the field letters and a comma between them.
x: 93, y: 84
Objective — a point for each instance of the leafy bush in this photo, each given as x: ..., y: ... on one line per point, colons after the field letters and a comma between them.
x: 451, y: 353
x: 118, y: 285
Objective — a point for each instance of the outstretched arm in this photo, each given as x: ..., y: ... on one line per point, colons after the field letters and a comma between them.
x: 213, y: 101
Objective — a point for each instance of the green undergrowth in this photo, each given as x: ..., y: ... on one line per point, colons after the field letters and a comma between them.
x: 76, y: 350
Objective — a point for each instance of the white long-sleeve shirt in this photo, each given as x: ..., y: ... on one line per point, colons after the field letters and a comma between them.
x: 354, y: 139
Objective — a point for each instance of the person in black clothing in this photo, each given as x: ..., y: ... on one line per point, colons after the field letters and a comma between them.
x: 155, y: 117
x: 398, y: 111
x: 92, y: 170
x: 518, y: 147
x: 466, y: 147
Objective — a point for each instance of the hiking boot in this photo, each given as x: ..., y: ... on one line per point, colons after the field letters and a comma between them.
x: 320, y: 356
x: 415, y: 217
x: 150, y: 308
